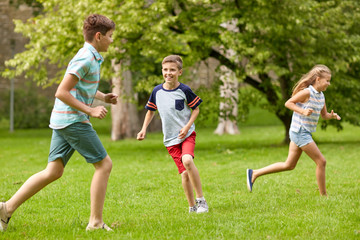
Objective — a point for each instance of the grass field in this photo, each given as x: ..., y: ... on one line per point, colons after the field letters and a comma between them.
x: 145, y: 199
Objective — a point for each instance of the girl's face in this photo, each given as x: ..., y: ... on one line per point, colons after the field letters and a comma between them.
x: 323, y: 82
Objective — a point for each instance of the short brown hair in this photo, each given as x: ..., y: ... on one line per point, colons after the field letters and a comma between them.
x: 174, y: 59
x: 96, y: 23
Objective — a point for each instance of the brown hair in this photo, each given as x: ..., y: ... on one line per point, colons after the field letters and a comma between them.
x: 309, y: 78
x: 174, y: 59
x: 96, y: 23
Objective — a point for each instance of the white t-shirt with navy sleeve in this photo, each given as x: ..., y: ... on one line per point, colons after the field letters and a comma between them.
x: 174, y: 108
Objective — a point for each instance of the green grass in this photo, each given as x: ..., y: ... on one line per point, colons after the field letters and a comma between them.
x: 145, y: 199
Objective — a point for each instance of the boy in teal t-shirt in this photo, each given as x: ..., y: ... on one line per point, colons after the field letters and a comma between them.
x: 71, y: 126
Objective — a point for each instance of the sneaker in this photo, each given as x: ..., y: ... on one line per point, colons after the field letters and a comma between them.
x: 249, y: 173
x: 104, y: 226
x: 193, y: 209
x: 4, y: 219
x: 202, y: 206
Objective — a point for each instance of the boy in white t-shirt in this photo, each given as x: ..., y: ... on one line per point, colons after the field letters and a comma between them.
x: 178, y: 108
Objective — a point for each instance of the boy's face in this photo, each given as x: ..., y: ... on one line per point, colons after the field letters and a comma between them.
x: 105, y: 41
x: 171, y: 72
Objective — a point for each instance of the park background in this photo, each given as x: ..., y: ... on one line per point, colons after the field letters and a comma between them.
x: 242, y: 58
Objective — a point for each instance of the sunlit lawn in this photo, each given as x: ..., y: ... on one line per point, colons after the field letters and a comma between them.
x: 145, y: 199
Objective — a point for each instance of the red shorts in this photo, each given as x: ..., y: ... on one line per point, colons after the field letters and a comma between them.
x: 179, y: 150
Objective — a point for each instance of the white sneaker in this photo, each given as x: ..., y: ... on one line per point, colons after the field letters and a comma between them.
x: 193, y: 209
x: 104, y: 226
x: 4, y: 219
x: 202, y: 206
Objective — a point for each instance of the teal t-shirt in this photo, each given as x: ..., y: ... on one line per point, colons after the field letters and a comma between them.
x: 86, y: 67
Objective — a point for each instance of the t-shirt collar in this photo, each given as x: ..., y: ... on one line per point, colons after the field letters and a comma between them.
x: 97, y: 55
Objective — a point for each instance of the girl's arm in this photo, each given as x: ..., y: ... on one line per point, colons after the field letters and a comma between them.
x: 325, y: 115
x: 186, y: 128
x: 302, y: 97
x: 108, y: 97
x: 148, y: 117
x: 63, y: 93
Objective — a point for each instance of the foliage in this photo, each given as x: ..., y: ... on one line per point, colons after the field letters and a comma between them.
x: 268, y: 44
x: 209, y: 108
x: 145, y: 199
x: 31, y: 110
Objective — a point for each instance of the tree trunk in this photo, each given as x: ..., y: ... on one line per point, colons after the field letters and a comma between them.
x: 125, y: 120
x: 228, y: 106
x: 286, y: 120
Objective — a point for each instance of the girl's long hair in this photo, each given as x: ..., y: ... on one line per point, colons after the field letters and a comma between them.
x: 309, y: 78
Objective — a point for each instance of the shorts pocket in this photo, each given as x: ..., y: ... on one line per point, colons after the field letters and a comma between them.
x: 179, y: 104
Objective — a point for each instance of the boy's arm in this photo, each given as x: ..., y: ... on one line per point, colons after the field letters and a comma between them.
x: 186, y: 128
x: 325, y: 115
x: 148, y: 117
x: 108, y: 97
x: 63, y: 93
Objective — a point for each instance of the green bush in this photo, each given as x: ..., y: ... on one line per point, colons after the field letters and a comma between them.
x: 209, y: 109
x: 31, y: 110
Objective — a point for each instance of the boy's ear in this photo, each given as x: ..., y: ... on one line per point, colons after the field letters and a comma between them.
x: 180, y: 72
x: 97, y: 36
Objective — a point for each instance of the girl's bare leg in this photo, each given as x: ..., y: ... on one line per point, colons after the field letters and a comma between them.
x: 289, y: 164
x: 314, y: 153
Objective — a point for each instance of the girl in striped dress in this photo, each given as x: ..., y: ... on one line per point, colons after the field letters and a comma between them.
x: 308, y: 104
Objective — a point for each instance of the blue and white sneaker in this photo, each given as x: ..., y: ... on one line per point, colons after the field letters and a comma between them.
x: 249, y: 173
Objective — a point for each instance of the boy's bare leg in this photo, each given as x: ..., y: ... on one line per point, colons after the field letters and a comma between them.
x: 34, y: 184
x: 98, y: 190
x: 188, y: 188
x: 193, y: 173
x: 289, y: 164
x: 314, y: 153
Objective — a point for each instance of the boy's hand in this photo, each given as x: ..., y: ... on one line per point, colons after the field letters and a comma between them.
x: 335, y: 115
x: 141, y: 135
x: 111, y: 98
x: 98, y: 112
x: 183, y: 132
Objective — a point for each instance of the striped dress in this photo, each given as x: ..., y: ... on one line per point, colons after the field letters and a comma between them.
x: 86, y: 67
x: 316, y: 103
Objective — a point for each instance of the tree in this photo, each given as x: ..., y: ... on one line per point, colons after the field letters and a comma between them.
x: 229, y: 94
x: 274, y: 42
